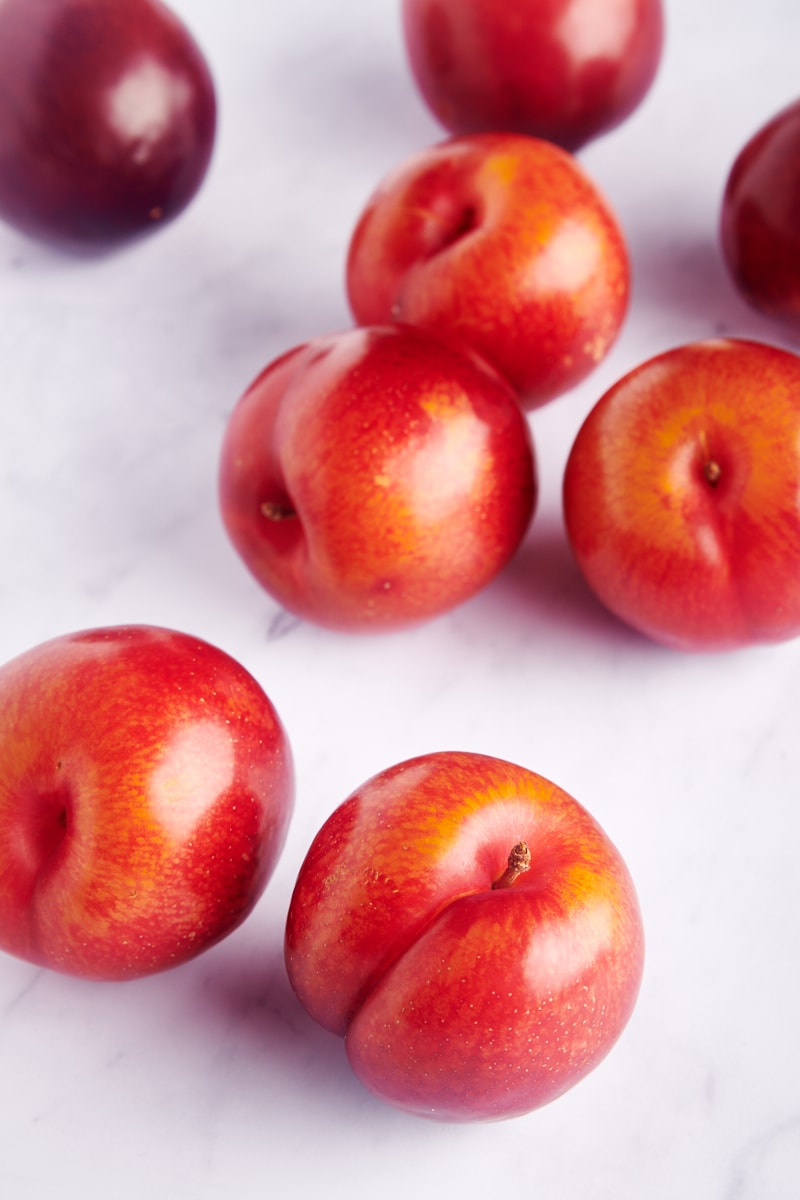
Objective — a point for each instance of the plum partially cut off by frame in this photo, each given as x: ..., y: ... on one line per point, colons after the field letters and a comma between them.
x: 147, y: 789
x: 107, y: 119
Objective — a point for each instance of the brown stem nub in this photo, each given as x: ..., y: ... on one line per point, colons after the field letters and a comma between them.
x: 712, y: 471
x: 273, y: 510
x: 519, y: 861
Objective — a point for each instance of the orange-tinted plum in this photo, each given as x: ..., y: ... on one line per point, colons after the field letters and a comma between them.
x: 147, y: 789
x: 503, y: 242
x: 682, y: 496
x: 471, y: 932
x: 376, y: 477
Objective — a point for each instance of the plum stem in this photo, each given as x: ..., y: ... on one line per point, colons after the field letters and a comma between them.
x: 519, y: 861
x: 712, y: 471
x: 273, y: 510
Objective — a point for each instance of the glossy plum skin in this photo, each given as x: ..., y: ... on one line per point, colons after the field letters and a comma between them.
x: 147, y: 790
x: 682, y: 496
x: 463, y: 995
x: 760, y: 218
x: 564, y: 70
x: 376, y: 477
x: 107, y: 119
x: 503, y: 242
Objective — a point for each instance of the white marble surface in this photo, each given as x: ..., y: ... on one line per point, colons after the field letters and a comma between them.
x: 117, y: 377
